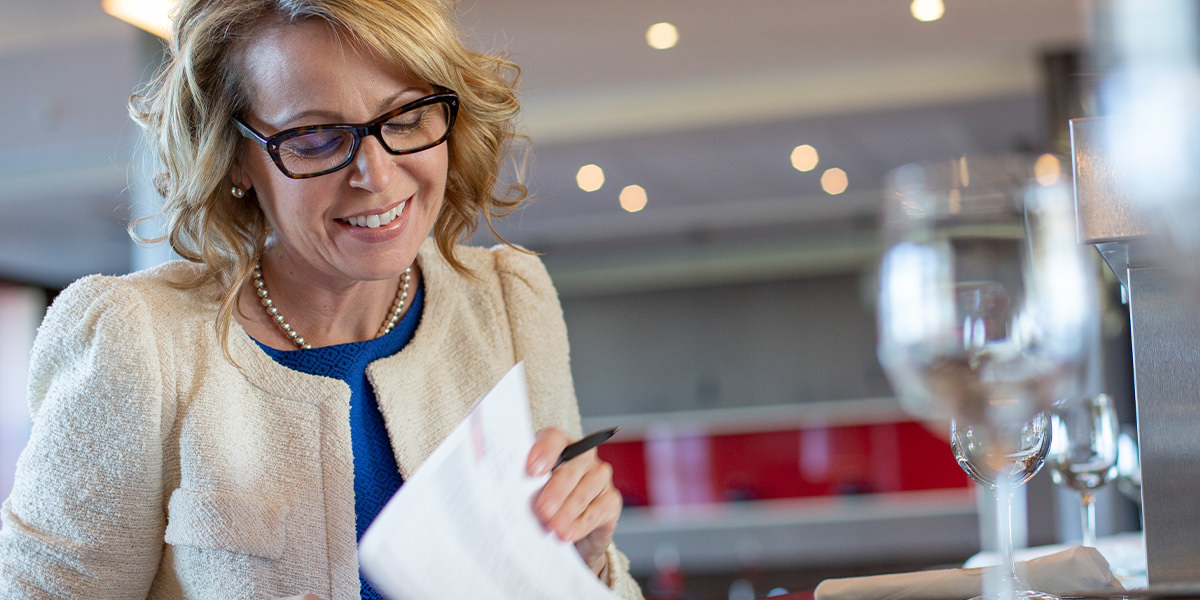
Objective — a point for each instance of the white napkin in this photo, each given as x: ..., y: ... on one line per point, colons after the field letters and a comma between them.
x: 1125, y: 553
x: 1075, y: 569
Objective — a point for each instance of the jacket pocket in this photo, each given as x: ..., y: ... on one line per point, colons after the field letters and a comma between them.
x: 226, y: 521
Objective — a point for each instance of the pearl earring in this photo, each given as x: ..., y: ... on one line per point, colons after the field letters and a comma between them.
x: 238, y: 192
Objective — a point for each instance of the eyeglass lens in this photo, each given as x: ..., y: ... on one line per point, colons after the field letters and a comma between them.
x: 320, y: 149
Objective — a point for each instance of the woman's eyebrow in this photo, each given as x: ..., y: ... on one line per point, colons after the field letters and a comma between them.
x: 328, y: 116
x: 398, y: 99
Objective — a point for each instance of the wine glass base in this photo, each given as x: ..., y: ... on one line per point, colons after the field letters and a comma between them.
x: 1032, y: 595
x: 1025, y: 595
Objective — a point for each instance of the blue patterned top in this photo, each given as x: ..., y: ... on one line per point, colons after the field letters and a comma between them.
x: 376, y: 475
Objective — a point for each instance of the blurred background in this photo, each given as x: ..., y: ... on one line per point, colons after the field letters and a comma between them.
x: 707, y: 175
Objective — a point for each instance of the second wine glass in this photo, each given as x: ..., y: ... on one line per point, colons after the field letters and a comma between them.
x: 1030, y: 446
x: 1083, y: 451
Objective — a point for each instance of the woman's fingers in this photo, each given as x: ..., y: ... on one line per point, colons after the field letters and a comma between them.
x: 579, y: 502
x: 599, y: 516
x: 570, y: 499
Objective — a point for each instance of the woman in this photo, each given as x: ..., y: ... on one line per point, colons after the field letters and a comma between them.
x: 225, y: 427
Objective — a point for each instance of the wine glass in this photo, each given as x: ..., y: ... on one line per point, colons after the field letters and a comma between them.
x: 986, y: 305
x: 1029, y: 450
x: 1083, y: 451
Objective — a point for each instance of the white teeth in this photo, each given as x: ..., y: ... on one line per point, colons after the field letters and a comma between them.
x: 379, y: 220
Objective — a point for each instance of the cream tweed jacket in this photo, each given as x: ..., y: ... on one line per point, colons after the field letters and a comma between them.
x: 158, y: 469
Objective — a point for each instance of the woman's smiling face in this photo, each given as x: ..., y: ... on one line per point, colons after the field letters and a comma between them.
x: 367, y: 220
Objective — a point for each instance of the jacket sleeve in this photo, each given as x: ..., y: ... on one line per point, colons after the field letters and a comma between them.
x: 540, y: 339
x: 85, y: 518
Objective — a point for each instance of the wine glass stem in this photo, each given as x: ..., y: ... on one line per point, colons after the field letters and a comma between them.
x: 1088, y: 512
x: 1002, y: 582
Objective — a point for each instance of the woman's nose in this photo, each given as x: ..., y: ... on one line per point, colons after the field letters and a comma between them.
x: 373, y: 166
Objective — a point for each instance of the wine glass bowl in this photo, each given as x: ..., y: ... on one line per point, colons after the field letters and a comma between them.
x: 973, y: 452
x: 1083, y: 451
x: 985, y: 297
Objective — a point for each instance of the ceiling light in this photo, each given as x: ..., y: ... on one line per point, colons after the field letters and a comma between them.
x: 151, y: 15
x: 804, y: 158
x: 589, y: 178
x: 1047, y: 169
x: 661, y: 36
x: 834, y: 181
x: 633, y: 198
x: 927, y: 10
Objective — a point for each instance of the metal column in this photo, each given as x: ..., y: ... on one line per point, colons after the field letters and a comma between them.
x: 1165, y: 320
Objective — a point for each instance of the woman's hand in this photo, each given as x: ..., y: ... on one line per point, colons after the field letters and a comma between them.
x: 579, y: 503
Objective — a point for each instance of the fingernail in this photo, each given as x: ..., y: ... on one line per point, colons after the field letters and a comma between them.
x: 540, y: 466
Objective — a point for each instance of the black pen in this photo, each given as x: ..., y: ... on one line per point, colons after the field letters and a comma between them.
x: 587, y: 443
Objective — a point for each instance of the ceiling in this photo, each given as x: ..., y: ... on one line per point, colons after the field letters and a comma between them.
x: 705, y: 128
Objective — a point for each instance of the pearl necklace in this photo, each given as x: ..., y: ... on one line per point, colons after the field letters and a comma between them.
x: 273, y: 311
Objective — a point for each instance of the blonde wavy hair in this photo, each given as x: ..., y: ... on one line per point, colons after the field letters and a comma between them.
x: 187, y: 110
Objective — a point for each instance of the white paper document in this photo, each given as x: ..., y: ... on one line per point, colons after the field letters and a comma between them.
x: 463, y: 526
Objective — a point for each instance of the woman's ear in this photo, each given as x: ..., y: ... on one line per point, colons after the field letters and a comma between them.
x: 238, y: 175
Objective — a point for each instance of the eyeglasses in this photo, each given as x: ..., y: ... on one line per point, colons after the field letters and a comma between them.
x: 302, y: 152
